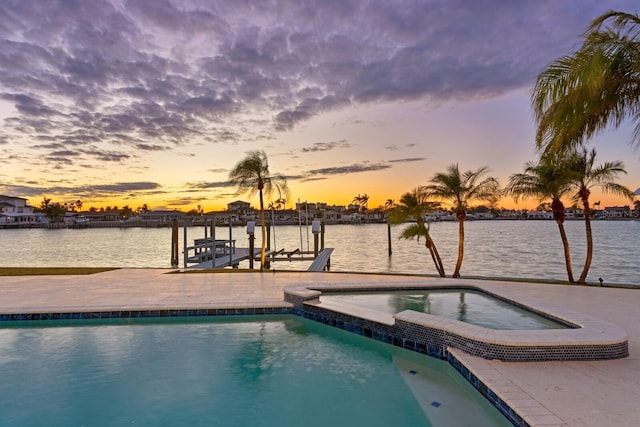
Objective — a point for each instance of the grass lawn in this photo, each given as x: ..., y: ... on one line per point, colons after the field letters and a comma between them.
x: 44, y: 271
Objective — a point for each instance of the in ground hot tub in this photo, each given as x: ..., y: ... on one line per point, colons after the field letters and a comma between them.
x: 462, y: 304
x: 576, y: 336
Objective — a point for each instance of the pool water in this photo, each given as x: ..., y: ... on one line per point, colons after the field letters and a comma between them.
x: 258, y: 371
x: 477, y: 308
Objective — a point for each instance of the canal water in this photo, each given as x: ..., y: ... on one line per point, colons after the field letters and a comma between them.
x: 497, y: 248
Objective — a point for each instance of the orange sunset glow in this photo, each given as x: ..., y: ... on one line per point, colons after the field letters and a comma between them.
x: 118, y: 105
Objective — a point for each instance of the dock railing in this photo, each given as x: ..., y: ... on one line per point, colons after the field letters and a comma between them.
x: 205, y: 249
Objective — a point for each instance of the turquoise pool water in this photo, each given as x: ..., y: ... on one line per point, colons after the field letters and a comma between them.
x: 468, y: 306
x: 258, y: 371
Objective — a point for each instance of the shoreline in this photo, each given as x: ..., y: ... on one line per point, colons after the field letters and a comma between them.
x: 168, y: 224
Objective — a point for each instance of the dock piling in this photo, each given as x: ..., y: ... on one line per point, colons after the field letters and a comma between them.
x: 174, y: 244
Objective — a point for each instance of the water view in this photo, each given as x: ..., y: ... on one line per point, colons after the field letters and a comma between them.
x: 508, y: 249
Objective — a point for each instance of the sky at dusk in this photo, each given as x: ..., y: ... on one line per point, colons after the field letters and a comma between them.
x: 154, y: 101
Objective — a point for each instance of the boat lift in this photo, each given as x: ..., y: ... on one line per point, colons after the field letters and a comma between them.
x: 211, y: 252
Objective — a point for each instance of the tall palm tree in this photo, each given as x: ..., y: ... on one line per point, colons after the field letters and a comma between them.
x: 550, y: 178
x: 252, y: 175
x: 586, y: 176
x: 462, y: 189
x: 597, y: 86
x: 413, y: 206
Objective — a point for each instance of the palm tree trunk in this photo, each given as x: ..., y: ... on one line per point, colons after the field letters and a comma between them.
x: 567, y: 254
x: 264, y: 234
x: 456, y: 272
x: 589, y: 257
x: 430, y: 244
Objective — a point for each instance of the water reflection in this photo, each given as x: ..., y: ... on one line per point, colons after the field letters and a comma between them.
x: 423, y: 303
x: 462, y: 308
x: 463, y: 305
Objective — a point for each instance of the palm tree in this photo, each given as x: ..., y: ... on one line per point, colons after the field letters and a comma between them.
x: 251, y: 174
x: 549, y: 178
x: 586, y: 176
x: 415, y: 205
x: 461, y: 189
x: 597, y: 86
x: 362, y: 202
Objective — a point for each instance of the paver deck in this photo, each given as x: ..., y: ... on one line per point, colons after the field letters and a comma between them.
x: 600, y: 393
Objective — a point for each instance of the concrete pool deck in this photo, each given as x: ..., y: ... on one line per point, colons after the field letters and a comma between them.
x: 598, y: 393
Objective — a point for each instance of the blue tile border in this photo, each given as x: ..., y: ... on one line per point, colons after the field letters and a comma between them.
x: 500, y: 404
x: 127, y: 314
x: 348, y: 323
x: 577, y: 343
x: 387, y: 335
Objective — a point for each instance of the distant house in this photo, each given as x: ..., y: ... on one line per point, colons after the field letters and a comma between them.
x: 331, y: 215
x: 14, y: 210
x: 616, y: 212
x: 573, y: 213
x: 106, y: 215
x: 510, y: 214
x: 240, y: 208
x: 162, y: 216
x: 238, y: 212
x: 539, y: 215
x: 483, y: 215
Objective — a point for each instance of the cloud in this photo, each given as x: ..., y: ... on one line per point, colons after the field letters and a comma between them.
x: 394, y: 147
x: 151, y: 76
x: 408, y: 160
x: 310, y: 175
x: 126, y: 186
x: 82, y: 191
x: 202, y: 185
x: 151, y: 147
x: 183, y: 201
x: 342, y: 170
x: 325, y: 146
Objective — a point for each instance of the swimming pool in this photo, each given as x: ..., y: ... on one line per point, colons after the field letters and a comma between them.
x: 465, y: 305
x: 253, y: 370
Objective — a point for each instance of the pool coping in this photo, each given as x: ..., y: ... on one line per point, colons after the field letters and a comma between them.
x: 589, y: 339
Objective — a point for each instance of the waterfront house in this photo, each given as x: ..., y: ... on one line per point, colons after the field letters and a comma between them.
x: 240, y: 208
x: 162, y: 216
x: 573, y: 213
x: 15, y: 211
x: 539, y: 215
x: 321, y: 211
x: 616, y: 212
